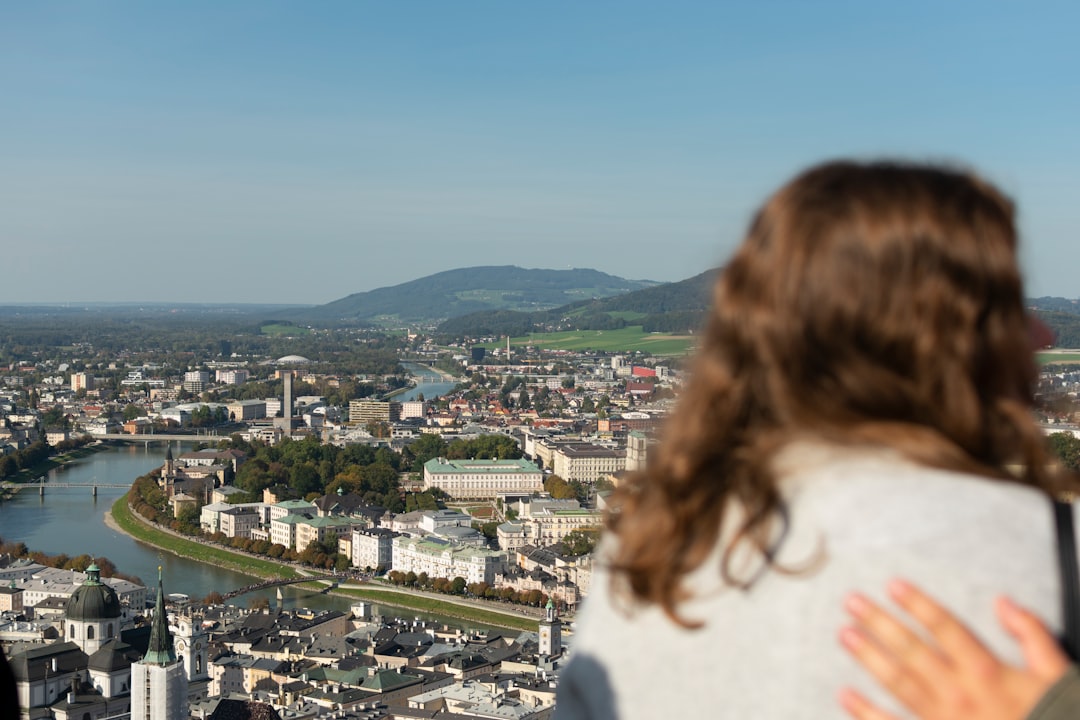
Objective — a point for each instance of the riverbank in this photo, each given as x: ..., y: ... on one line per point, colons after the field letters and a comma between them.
x: 29, y: 476
x: 122, y: 519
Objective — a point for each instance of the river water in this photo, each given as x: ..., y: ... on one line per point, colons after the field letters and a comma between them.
x: 428, y: 382
x: 72, y: 521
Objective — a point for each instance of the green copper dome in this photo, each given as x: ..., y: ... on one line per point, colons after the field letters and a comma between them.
x: 93, y: 600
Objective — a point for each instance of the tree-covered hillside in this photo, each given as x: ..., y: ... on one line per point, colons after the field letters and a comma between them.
x: 677, y: 307
x: 466, y: 290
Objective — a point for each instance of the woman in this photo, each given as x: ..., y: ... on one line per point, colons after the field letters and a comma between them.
x: 858, y: 402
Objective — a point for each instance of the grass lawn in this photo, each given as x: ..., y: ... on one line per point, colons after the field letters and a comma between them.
x: 1062, y: 357
x: 626, y: 339
x: 425, y: 604
x: 281, y: 329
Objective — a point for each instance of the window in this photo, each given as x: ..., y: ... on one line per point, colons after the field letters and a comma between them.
x: 89, y: 632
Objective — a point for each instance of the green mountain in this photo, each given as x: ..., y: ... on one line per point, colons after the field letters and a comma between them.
x: 458, y: 292
x: 677, y: 307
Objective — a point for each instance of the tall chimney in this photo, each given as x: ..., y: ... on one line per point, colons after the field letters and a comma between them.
x: 287, y: 406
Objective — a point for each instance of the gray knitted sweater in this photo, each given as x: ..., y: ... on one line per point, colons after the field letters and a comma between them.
x: 858, y: 518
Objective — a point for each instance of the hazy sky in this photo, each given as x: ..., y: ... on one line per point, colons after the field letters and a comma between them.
x: 298, y: 152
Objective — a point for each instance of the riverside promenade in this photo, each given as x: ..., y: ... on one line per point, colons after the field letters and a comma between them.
x: 484, y: 611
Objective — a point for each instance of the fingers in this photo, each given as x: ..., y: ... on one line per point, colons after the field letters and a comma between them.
x: 860, y: 708
x: 1040, y: 648
x: 895, y: 638
x: 955, y: 641
x: 891, y: 671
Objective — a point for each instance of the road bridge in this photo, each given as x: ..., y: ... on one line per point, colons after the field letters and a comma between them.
x: 163, y: 437
x: 279, y: 582
x: 41, y: 485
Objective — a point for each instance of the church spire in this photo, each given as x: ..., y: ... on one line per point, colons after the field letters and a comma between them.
x: 161, y: 650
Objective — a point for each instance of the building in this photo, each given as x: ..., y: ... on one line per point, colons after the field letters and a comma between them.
x: 92, y: 614
x: 414, y: 409
x: 481, y: 479
x: 373, y: 548
x: 441, y: 559
x: 550, y: 632
x: 586, y: 462
x: 232, y: 376
x: 196, y: 381
x: 158, y: 681
x: 246, y: 410
x: 82, y: 381
x: 366, y: 411
x: 11, y: 599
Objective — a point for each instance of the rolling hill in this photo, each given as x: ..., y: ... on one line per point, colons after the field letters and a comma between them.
x: 462, y: 291
x: 677, y: 307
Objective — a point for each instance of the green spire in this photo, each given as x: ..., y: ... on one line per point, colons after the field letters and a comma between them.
x: 161, y: 651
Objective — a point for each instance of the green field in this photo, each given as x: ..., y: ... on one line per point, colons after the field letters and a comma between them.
x: 626, y: 339
x: 283, y: 330
x: 1063, y: 357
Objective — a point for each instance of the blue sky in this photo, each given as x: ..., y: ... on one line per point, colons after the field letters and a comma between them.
x: 298, y: 152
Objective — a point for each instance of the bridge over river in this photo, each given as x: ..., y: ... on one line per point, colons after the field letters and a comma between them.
x: 333, y: 581
x: 41, y: 485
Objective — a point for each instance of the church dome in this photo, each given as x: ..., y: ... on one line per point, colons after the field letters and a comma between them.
x: 93, y: 600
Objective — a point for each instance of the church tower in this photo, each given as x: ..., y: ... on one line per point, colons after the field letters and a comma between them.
x: 191, y: 641
x: 158, y: 681
x: 168, y: 472
x: 550, y: 632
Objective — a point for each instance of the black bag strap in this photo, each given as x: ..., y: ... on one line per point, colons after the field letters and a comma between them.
x: 1070, y: 577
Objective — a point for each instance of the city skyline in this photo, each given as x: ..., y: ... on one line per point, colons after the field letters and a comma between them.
x: 273, y: 153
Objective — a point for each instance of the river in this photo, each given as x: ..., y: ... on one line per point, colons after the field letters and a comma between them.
x: 428, y: 382
x: 72, y: 521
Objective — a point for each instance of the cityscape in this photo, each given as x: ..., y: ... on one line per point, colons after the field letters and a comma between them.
x: 338, y: 341
x: 424, y: 547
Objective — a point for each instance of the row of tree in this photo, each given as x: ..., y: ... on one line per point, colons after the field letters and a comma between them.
x: 460, y: 586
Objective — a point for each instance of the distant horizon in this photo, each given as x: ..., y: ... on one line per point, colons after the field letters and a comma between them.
x: 257, y: 303
x: 266, y: 152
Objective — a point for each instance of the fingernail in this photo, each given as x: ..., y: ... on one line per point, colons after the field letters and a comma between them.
x: 856, y: 604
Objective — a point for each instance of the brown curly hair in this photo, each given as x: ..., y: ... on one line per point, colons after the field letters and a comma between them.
x: 875, y: 304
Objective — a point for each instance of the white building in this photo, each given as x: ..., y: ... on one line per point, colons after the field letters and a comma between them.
x: 477, y: 479
x: 441, y: 559
x: 373, y: 548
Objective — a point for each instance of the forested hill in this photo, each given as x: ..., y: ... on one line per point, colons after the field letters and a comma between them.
x: 457, y: 292
x: 677, y: 307
x: 1063, y: 317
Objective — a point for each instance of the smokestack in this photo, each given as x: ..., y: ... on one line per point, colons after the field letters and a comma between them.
x: 287, y: 406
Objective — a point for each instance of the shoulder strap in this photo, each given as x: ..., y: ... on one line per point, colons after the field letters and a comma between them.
x: 1070, y: 577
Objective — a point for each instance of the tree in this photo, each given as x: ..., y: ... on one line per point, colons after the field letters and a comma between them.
x: 214, y: 598
x: 457, y: 586
x: 581, y: 541
x: 559, y: 488
x: 1066, y: 447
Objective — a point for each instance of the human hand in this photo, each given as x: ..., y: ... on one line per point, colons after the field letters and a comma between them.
x: 951, y: 675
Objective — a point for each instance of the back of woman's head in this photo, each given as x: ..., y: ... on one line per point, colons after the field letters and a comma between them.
x: 869, y: 303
